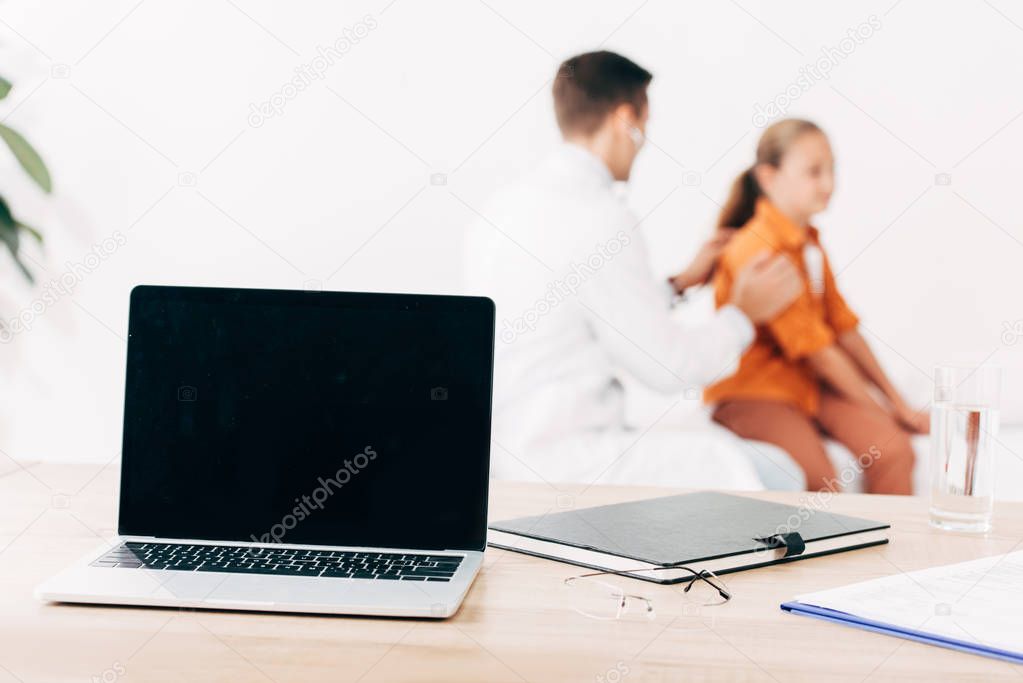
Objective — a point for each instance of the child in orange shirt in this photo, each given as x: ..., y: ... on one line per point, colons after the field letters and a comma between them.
x: 809, y: 373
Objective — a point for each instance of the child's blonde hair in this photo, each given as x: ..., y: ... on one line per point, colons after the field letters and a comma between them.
x: 775, y: 141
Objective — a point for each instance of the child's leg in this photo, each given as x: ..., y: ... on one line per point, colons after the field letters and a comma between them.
x: 881, y: 446
x: 784, y: 426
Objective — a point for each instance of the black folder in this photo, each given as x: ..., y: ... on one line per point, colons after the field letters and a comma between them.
x: 711, y: 531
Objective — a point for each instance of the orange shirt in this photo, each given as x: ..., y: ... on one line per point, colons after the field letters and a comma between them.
x: 774, y: 367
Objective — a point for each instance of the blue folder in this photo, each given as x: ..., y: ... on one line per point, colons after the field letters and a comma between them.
x: 900, y: 632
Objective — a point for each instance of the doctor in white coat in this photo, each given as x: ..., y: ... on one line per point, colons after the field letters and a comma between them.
x: 577, y: 304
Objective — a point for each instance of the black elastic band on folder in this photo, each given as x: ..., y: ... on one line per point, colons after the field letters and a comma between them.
x: 792, y: 542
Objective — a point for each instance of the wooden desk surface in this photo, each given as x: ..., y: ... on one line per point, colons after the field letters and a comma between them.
x: 517, y: 623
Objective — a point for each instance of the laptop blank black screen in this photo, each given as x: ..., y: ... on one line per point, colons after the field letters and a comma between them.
x: 307, y: 417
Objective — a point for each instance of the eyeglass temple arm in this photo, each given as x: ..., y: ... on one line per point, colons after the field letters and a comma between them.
x: 721, y: 591
x: 702, y: 575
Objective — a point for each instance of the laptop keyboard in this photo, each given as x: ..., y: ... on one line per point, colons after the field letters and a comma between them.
x: 283, y: 561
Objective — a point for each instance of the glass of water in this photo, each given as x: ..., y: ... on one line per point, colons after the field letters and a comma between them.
x: 964, y: 428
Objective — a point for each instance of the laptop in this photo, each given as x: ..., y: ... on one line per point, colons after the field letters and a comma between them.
x: 298, y: 451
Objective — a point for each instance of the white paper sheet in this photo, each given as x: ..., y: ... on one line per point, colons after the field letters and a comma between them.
x: 980, y: 601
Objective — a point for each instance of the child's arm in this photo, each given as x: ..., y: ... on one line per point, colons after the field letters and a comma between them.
x: 836, y: 369
x: 853, y: 343
x: 848, y: 341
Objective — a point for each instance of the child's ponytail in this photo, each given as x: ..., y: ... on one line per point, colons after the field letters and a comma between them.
x: 741, y: 202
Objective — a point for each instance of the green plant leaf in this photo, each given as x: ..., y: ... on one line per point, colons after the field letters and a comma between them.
x: 5, y: 87
x: 27, y: 157
x: 24, y: 269
x: 6, y: 218
x: 9, y: 229
x: 9, y: 236
x: 32, y: 231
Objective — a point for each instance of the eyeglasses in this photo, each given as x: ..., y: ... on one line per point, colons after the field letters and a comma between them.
x: 596, y: 598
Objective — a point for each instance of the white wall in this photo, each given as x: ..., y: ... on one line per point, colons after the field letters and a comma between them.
x: 130, y: 102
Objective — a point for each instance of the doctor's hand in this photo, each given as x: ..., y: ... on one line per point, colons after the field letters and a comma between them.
x: 766, y: 287
x: 699, y: 271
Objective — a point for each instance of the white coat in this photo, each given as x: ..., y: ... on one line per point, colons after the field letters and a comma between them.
x: 577, y: 304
